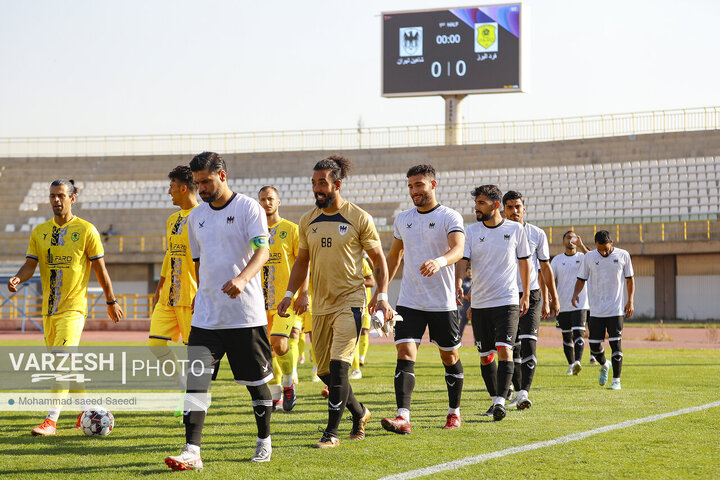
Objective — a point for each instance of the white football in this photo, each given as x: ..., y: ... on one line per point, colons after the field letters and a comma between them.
x: 97, y: 423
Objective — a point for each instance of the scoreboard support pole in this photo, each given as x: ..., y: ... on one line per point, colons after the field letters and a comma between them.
x: 453, y: 117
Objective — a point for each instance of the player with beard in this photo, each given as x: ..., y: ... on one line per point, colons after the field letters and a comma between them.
x: 524, y: 353
x: 605, y: 268
x: 65, y: 248
x: 332, y: 238
x: 497, y: 249
x: 431, y: 238
x: 229, y: 243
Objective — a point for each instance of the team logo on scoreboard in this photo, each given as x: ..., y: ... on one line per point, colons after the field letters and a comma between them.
x: 486, y: 39
x: 411, y: 41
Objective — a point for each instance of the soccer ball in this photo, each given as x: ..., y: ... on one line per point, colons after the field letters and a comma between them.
x: 97, y: 423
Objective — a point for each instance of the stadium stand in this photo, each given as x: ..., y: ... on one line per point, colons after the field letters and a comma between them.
x: 657, y: 193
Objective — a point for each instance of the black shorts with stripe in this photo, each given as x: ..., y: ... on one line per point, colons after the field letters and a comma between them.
x: 529, y: 324
x: 443, y: 327
x: 569, y: 321
x: 248, y: 351
x: 599, y: 325
x: 494, y: 327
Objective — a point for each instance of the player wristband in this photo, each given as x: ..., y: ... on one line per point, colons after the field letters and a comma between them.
x: 114, y: 302
x: 289, y: 294
x: 382, y: 296
x: 442, y: 261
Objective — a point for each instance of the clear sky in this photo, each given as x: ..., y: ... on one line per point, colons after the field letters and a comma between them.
x: 95, y: 67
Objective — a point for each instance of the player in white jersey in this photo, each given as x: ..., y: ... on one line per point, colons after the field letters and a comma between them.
x: 604, y: 269
x: 497, y: 249
x: 431, y: 238
x: 228, y: 237
x: 571, y: 320
x: 541, y: 275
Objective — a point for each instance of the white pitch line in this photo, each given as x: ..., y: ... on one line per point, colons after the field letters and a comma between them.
x: 467, y: 461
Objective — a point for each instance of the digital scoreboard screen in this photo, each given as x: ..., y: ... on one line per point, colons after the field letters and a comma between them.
x: 452, y: 51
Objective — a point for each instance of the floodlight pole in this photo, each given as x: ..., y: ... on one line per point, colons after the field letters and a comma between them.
x: 453, y: 116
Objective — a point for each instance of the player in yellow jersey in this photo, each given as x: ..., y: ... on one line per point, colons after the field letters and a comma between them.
x: 172, y: 303
x: 332, y: 238
x: 363, y: 343
x: 65, y: 248
x: 284, y: 331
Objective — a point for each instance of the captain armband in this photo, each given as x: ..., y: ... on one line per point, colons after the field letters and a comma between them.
x: 259, y: 242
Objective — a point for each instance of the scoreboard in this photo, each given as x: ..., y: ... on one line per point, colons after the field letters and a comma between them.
x: 452, y: 51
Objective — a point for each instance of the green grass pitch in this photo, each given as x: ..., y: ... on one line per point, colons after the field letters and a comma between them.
x: 654, y: 381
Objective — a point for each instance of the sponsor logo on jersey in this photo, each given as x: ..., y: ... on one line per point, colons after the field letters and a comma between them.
x: 201, y: 224
x: 314, y: 229
x: 409, y: 225
x: 616, y: 261
x: 58, y: 261
x: 482, y: 239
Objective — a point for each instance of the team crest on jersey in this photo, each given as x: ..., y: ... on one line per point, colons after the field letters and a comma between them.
x: 343, y: 229
x: 283, y: 234
x: 409, y: 225
x: 432, y: 225
x: 507, y: 237
x: 75, y: 236
x: 230, y: 220
x: 482, y: 239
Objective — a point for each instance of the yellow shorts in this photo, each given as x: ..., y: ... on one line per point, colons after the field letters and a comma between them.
x: 282, y: 326
x: 307, y: 321
x: 63, y: 329
x: 335, y: 336
x: 171, y: 323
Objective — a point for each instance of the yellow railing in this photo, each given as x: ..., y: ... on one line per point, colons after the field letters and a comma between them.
x: 521, y: 131
x: 116, y: 244
x: 133, y: 305
x: 695, y: 230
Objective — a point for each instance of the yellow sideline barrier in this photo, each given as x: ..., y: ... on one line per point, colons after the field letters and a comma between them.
x: 696, y: 230
x: 133, y: 305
